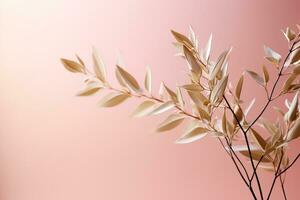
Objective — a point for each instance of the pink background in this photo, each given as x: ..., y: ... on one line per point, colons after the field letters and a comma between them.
x: 55, y: 146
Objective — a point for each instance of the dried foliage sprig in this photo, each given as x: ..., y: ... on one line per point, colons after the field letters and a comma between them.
x: 213, y: 107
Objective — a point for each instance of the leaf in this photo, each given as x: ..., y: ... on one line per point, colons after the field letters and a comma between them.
x: 182, y: 39
x: 80, y: 60
x: 295, y: 57
x: 171, y: 94
x: 266, y: 75
x: 224, y: 122
x: 171, y: 122
x: 99, y: 67
x: 119, y: 78
x: 193, y: 63
x: 129, y: 80
x: 193, y: 87
x: 256, y: 155
x: 113, y: 99
x: 207, y: 49
x: 161, y: 90
x: 219, y: 64
x: 294, y: 131
x: 288, y: 83
x: 271, y: 55
x: 193, y: 135
x: 296, y: 70
x: 148, y: 80
x: 289, y: 34
x: 256, y: 77
x: 249, y: 107
x: 218, y: 91
x: 90, y: 89
x: 258, y: 139
x: 239, y: 87
x: 291, y: 115
x: 179, y: 97
x: 72, y: 66
x: 143, y: 109
x: 162, y: 108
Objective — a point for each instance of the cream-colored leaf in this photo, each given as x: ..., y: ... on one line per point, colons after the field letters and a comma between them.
x: 113, y: 99
x: 258, y: 139
x: 266, y: 74
x: 162, y: 108
x: 288, y: 83
x: 129, y: 80
x: 161, y: 90
x: 193, y: 87
x: 99, y: 67
x: 289, y: 34
x: 239, y: 87
x: 91, y: 88
x: 294, y: 131
x: 271, y: 55
x: 249, y: 107
x: 171, y: 94
x: 148, y: 80
x: 182, y: 39
x: 180, y: 97
x: 295, y: 57
x: 144, y: 109
x: 207, y: 49
x: 256, y: 155
x: 291, y: 115
x: 256, y: 77
x: 193, y: 63
x: 193, y: 135
x: 72, y: 66
x: 171, y: 122
x: 222, y: 60
x: 119, y: 78
x: 218, y: 90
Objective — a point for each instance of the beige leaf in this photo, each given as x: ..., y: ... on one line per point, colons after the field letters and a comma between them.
x: 193, y: 87
x: 256, y: 77
x: 258, y: 139
x: 182, y: 39
x: 296, y: 70
x: 171, y: 94
x: 222, y: 60
x: 291, y: 115
x: 144, y: 109
x: 171, y: 122
x: 161, y: 90
x: 80, y: 60
x: 113, y: 99
x: 289, y: 34
x: 271, y: 55
x: 72, y: 66
x: 239, y: 87
x: 179, y: 97
x: 294, y: 131
x: 256, y: 155
x: 266, y: 75
x: 193, y: 135
x: 193, y: 63
x: 129, y: 80
x: 99, y: 67
x: 162, y: 108
x: 148, y: 80
x: 249, y: 107
x: 218, y: 90
x: 288, y: 83
x: 119, y: 78
x: 295, y: 57
x: 91, y: 88
x: 207, y: 49
x: 224, y: 122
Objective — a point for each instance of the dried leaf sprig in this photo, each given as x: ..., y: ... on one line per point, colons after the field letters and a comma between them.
x: 213, y: 107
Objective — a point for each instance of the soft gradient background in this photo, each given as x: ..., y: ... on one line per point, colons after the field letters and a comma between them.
x: 55, y: 146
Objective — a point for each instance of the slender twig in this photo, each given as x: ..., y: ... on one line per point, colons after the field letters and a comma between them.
x: 294, y: 161
x: 282, y: 187
x: 248, y: 146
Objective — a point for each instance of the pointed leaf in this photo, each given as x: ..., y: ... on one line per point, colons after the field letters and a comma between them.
x: 72, y: 66
x: 271, y: 55
x: 162, y: 108
x: 256, y: 77
x: 148, y: 80
x: 239, y: 87
x: 294, y: 131
x: 171, y: 122
x: 129, y: 80
x: 99, y: 67
x: 144, y: 109
x: 218, y: 91
x: 90, y: 89
x: 113, y: 99
x: 266, y: 75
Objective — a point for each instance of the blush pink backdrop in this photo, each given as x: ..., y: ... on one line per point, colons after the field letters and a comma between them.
x: 55, y: 146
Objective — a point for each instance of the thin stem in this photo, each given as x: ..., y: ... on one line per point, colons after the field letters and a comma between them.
x: 282, y: 187
x: 248, y: 146
x: 294, y: 161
